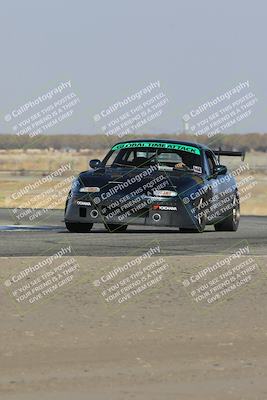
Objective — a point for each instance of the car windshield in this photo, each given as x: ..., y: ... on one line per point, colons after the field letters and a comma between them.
x: 169, y: 156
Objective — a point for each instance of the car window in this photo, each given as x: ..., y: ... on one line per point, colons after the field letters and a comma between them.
x: 211, y: 162
x: 143, y: 154
x: 111, y: 159
x: 170, y: 157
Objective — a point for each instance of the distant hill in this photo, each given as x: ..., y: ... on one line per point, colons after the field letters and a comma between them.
x: 250, y: 141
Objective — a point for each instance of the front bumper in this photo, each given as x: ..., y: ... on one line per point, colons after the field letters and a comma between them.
x: 150, y: 211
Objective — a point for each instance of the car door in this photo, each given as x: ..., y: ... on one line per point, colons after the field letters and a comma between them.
x: 218, y: 187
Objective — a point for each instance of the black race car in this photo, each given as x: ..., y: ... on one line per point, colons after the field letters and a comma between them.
x: 156, y: 183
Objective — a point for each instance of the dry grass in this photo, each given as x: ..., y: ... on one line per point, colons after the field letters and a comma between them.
x: 16, y: 165
x: 46, y: 160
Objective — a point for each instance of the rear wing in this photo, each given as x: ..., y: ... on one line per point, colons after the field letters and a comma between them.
x: 230, y: 153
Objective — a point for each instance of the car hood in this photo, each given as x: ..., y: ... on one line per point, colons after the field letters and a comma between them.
x: 136, y: 177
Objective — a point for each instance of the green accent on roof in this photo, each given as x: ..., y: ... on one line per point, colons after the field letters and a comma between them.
x: 157, y: 145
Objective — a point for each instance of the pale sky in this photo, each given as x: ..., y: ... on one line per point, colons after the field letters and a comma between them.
x: 111, y: 49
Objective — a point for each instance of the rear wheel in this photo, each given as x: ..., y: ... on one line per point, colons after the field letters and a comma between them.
x: 231, y: 222
x: 115, y: 228
x: 79, y: 228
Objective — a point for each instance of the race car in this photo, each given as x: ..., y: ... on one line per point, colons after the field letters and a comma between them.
x: 162, y: 183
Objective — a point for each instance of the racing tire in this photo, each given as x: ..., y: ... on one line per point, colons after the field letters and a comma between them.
x: 116, y: 228
x: 200, y: 223
x: 231, y: 222
x: 67, y: 202
x: 78, y: 228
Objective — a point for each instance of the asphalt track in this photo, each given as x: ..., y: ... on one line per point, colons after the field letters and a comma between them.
x: 16, y: 240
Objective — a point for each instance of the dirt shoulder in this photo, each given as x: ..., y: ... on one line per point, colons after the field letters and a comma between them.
x: 158, y: 346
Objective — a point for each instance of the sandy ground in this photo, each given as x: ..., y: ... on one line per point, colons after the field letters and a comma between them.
x: 158, y: 345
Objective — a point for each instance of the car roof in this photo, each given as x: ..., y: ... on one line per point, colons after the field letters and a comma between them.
x: 198, y: 145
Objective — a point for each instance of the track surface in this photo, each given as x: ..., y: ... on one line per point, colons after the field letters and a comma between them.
x: 158, y: 346
x: 34, y: 240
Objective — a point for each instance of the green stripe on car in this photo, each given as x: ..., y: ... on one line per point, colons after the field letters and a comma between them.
x: 157, y: 145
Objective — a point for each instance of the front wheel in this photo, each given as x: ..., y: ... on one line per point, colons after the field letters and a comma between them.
x: 231, y: 222
x: 115, y: 228
x: 78, y: 228
x: 200, y: 219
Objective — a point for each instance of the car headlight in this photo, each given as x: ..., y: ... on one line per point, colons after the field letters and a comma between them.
x: 164, y: 193
x: 89, y: 189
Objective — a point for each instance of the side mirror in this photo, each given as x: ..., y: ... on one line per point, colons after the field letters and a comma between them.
x: 95, y: 164
x: 220, y: 170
